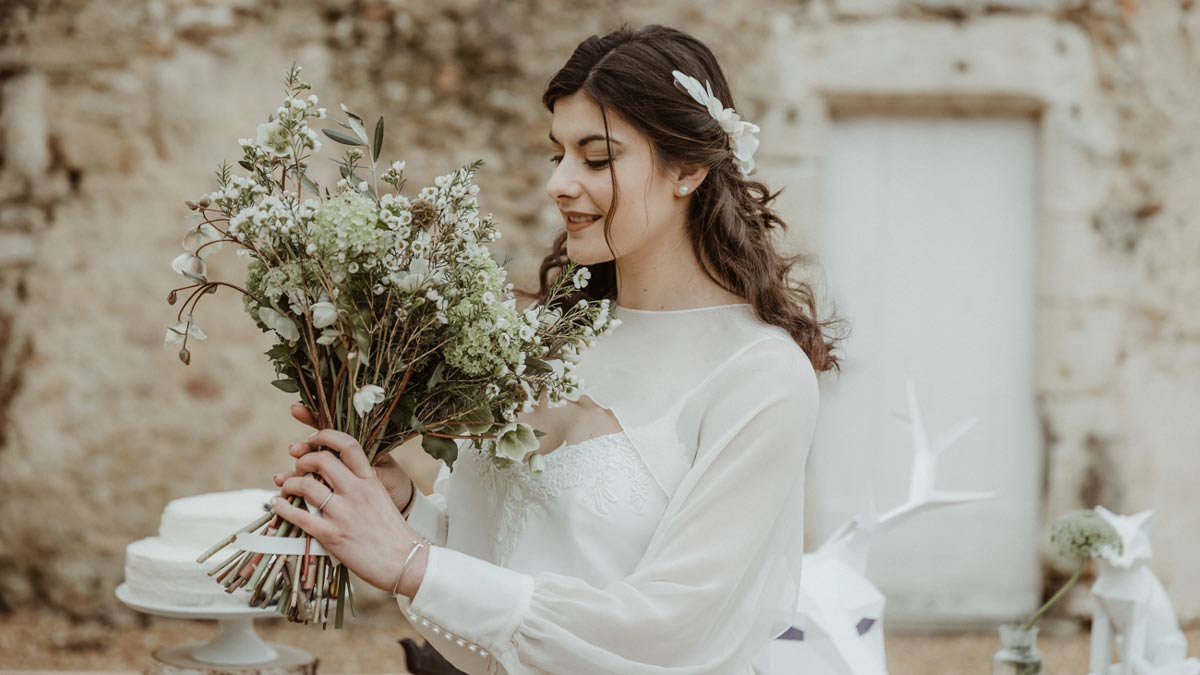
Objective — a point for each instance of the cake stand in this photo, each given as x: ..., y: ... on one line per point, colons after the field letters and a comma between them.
x: 235, y: 644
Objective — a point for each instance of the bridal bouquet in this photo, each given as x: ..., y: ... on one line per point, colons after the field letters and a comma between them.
x: 391, y: 317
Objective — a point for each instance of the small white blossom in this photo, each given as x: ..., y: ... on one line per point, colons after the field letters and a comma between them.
x: 581, y: 277
x: 187, y: 327
x: 367, y: 397
x: 324, y: 314
x: 279, y: 323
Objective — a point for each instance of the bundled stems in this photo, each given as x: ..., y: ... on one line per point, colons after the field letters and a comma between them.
x: 299, y: 586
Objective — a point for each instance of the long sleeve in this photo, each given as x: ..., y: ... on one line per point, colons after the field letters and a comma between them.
x: 428, y: 513
x: 719, y: 578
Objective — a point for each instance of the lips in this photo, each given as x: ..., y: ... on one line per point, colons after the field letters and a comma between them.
x: 577, y: 225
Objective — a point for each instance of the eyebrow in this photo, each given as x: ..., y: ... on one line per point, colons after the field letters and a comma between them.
x: 587, y: 139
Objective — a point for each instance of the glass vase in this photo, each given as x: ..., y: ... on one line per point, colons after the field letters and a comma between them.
x: 1018, y: 653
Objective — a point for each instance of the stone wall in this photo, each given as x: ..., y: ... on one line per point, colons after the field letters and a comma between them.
x: 112, y: 113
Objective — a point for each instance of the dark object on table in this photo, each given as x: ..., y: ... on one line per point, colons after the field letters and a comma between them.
x: 422, y: 659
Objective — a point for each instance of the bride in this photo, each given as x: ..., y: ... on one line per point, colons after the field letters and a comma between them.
x: 664, y: 534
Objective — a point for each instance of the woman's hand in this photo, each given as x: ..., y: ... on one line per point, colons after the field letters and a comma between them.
x: 394, y: 478
x: 359, y: 524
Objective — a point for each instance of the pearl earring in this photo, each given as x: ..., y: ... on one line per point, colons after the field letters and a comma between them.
x: 683, y: 189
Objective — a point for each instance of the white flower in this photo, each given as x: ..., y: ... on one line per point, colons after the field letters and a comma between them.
x: 399, y: 166
x: 194, y: 241
x: 367, y: 397
x: 279, y: 323
x: 411, y: 281
x: 537, y: 462
x: 175, y: 333
x: 324, y: 314
x: 581, y: 277
x: 740, y: 133
x: 191, y: 266
x: 557, y: 366
x: 515, y: 440
x: 329, y: 336
x: 274, y: 140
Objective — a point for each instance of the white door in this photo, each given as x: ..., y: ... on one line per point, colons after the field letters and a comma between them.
x: 928, y: 247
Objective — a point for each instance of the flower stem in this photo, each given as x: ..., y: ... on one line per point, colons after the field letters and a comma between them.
x: 1055, y: 598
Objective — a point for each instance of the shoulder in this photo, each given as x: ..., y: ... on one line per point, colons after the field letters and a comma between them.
x: 766, y: 367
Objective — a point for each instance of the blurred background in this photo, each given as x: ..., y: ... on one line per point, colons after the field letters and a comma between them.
x: 1000, y: 195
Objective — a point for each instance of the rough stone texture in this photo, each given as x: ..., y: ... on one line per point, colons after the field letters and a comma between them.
x: 112, y: 113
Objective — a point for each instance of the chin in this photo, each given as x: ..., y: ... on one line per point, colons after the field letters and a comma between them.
x: 587, y: 252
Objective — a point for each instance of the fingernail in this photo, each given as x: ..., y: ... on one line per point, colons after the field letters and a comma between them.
x: 313, y: 435
x: 274, y: 501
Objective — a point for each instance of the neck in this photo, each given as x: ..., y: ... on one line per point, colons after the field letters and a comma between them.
x: 665, y: 275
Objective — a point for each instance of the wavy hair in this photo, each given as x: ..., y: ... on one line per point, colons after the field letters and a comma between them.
x: 730, y: 219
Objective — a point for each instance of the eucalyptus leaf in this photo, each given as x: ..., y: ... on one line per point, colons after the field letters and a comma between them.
x: 363, y: 339
x: 246, y: 165
x: 478, y: 421
x: 378, y: 146
x: 403, y: 412
x: 289, y: 385
x: 308, y: 183
x: 359, y: 130
x: 436, y: 377
x: 444, y: 449
x: 344, y: 139
x: 536, y: 365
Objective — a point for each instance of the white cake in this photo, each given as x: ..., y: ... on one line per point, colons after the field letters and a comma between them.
x: 163, y: 570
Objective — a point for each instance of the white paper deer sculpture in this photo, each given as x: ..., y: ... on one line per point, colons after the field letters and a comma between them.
x: 838, y: 629
x: 1131, y: 610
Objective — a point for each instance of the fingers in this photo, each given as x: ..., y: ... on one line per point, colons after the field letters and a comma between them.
x: 310, y: 488
x: 330, y: 467
x: 349, y: 450
x: 309, y: 522
x: 303, y: 414
x: 299, y: 449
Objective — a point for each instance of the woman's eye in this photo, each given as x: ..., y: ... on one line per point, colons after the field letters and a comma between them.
x: 596, y: 164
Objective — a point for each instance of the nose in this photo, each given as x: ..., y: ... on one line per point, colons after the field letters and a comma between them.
x: 563, y: 185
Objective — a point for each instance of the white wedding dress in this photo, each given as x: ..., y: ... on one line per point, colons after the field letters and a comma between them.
x: 672, y: 546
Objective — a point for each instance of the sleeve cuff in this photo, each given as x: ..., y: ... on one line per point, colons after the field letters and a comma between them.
x: 427, y: 515
x: 463, y: 597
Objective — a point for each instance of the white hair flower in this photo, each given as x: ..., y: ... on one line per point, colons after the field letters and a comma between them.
x: 741, y: 133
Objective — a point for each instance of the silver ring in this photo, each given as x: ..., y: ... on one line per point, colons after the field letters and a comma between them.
x: 325, y: 502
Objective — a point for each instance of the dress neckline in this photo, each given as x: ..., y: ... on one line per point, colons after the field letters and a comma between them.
x: 623, y: 308
x: 583, y: 443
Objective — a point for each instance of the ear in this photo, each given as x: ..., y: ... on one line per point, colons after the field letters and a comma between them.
x: 1142, y: 520
x: 693, y: 175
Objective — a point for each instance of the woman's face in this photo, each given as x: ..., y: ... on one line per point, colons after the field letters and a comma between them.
x: 649, y: 214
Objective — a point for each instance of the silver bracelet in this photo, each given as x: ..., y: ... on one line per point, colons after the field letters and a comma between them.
x: 412, y: 552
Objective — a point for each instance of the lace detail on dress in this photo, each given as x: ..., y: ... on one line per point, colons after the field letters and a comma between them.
x: 597, y: 462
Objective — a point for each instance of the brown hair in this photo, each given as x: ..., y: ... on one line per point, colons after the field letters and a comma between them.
x: 629, y: 71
